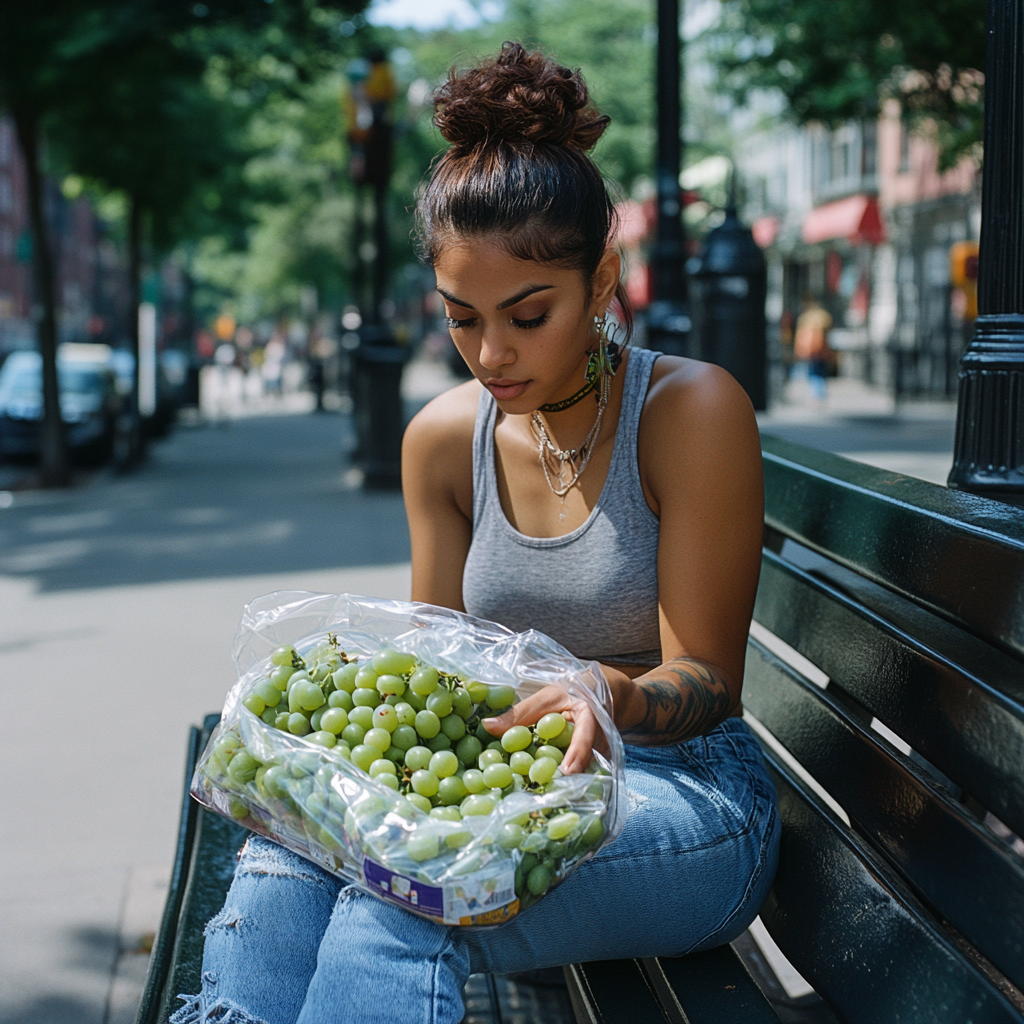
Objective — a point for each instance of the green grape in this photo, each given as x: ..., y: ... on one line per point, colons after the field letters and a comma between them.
x: 378, y: 738
x: 510, y: 836
x: 446, y: 813
x: 275, y: 781
x: 340, y: 699
x: 392, y: 699
x: 439, y: 742
x: 444, y: 764
x: 453, y: 727
x: 499, y: 697
x: 384, y: 717
x: 304, y: 764
x: 451, y: 790
x: 364, y: 755
x: 520, y: 762
x: 344, y: 751
x: 440, y: 702
x: 317, y: 717
x: 406, y: 713
x: 243, y: 767
x: 283, y: 656
x: 518, y: 782
x: 593, y: 830
x: 298, y: 724
x: 428, y: 724
x: 394, y: 754
x: 366, y: 679
x: 415, y: 701
x: 422, y: 846
x: 550, y: 726
x: 382, y: 766
x: 282, y: 720
x: 424, y: 681
x: 419, y: 802
x: 462, y: 703
x: 366, y: 698
x: 237, y: 809
x: 353, y: 734
x: 490, y: 756
x: 280, y: 676
x: 559, y: 827
x: 534, y: 843
x: 563, y: 739
x: 322, y: 738
x: 334, y: 720
x: 268, y: 693
x: 516, y: 738
x: 542, y: 771
x: 549, y: 751
x: 390, y: 781
x: 468, y: 749
x: 538, y: 880
x: 269, y: 716
x: 473, y: 781
x: 391, y: 685
x: 345, y: 677
x: 254, y: 702
x: 497, y: 776
x: 320, y: 673
x: 425, y: 782
x: 417, y: 757
x: 404, y: 737
x: 477, y: 691
x: 311, y: 697
x: 362, y: 716
x: 394, y: 662
x: 477, y: 804
x: 483, y: 735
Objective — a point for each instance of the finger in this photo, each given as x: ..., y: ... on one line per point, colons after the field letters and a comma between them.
x: 529, y: 711
x: 577, y: 757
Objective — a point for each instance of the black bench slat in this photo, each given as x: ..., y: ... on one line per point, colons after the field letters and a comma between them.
x: 712, y: 987
x: 612, y: 992
x: 933, y: 840
x: 960, y: 555
x: 849, y: 926
x: 966, y: 726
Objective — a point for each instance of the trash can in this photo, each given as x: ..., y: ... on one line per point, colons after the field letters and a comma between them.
x: 729, y: 283
x: 377, y: 408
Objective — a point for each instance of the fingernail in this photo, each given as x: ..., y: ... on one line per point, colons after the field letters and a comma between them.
x: 486, y: 720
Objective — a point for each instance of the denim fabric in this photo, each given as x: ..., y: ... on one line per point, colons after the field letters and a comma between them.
x: 690, y: 871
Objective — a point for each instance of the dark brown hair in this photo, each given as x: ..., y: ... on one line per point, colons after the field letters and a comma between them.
x: 520, y: 126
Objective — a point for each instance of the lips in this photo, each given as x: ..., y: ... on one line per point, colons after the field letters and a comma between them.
x: 504, y: 389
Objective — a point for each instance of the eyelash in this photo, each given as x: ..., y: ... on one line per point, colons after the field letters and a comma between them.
x: 525, y: 325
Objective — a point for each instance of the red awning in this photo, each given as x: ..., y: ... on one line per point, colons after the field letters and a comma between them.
x: 857, y: 219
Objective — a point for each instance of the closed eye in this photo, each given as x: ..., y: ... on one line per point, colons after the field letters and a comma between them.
x: 527, y: 325
x: 454, y: 324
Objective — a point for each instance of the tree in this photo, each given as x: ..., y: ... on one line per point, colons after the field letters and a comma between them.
x: 837, y: 59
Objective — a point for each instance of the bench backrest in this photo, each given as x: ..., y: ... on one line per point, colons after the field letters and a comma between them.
x: 885, y: 675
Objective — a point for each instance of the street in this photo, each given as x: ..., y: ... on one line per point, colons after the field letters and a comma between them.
x: 119, y: 603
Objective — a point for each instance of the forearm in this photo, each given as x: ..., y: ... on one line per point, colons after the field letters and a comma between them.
x: 673, y: 703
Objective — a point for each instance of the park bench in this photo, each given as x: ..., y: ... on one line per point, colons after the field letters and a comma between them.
x: 885, y: 679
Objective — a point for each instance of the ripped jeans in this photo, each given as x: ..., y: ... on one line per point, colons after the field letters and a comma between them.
x: 690, y: 871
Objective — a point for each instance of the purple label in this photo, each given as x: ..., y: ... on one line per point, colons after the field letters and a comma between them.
x: 405, y: 891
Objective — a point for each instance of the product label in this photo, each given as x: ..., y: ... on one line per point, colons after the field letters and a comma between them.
x: 485, y: 897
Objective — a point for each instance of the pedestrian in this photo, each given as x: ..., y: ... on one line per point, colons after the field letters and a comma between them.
x: 811, y: 353
x: 608, y: 496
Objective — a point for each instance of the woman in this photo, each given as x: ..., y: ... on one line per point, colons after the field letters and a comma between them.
x: 612, y: 500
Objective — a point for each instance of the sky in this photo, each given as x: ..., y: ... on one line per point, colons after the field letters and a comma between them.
x: 429, y: 14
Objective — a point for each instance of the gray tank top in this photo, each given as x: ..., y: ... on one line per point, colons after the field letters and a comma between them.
x: 594, y: 590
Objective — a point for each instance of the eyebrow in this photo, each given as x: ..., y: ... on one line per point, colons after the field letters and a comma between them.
x: 518, y: 297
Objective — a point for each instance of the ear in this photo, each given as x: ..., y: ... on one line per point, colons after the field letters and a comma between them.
x: 604, y: 282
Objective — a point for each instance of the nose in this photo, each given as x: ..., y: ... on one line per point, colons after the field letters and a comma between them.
x: 495, y: 351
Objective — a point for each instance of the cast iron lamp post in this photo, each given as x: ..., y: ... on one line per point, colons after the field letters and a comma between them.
x: 989, y: 452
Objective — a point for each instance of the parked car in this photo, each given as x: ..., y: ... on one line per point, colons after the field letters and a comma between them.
x: 90, y: 401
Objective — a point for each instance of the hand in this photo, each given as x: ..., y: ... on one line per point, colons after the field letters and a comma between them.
x: 554, y: 698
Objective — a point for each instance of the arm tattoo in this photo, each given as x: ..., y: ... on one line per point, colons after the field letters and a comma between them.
x: 684, y: 698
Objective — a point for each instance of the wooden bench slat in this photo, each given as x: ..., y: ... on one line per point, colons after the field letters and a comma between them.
x: 612, y: 992
x: 849, y: 926
x: 934, y: 842
x: 957, y: 553
x: 712, y: 987
x: 972, y: 731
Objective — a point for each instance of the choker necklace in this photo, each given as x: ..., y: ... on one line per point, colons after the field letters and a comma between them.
x: 600, y: 363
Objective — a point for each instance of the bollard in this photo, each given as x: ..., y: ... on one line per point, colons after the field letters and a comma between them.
x: 377, y: 366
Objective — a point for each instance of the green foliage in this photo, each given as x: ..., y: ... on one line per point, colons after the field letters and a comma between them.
x: 836, y: 59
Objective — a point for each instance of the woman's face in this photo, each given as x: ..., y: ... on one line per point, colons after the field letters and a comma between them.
x: 523, y: 327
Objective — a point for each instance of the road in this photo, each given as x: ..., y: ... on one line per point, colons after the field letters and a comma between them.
x: 118, y: 604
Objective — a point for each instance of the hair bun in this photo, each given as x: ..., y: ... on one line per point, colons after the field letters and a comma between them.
x: 520, y: 96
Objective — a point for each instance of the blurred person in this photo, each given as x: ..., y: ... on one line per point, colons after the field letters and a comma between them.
x: 811, y: 353
x: 577, y: 488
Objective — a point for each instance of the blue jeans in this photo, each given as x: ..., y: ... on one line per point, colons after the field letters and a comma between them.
x: 690, y: 871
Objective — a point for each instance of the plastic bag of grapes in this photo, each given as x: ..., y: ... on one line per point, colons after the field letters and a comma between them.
x: 353, y: 736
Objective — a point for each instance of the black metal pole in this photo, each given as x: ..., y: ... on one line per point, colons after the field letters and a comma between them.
x: 989, y: 451
x: 668, y: 316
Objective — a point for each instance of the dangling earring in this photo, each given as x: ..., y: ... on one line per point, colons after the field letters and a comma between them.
x: 601, y: 367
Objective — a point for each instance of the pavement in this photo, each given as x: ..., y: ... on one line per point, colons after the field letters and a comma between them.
x: 119, y: 599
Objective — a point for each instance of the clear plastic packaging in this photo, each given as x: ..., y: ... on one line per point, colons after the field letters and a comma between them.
x: 472, y: 863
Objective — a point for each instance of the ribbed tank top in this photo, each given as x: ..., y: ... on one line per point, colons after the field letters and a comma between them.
x: 594, y: 590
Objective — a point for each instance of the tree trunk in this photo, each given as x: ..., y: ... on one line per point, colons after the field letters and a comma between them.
x: 53, y: 452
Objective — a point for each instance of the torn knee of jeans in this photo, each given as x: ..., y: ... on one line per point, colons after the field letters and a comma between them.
x: 186, y: 1014
x: 267, y: 858
x: 225, y: 918
x: 221, y: 1012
